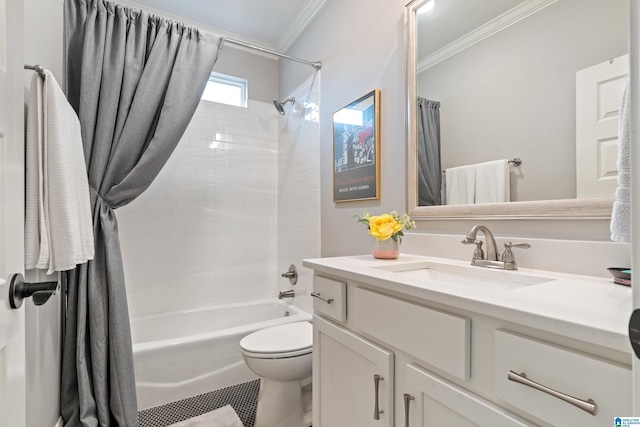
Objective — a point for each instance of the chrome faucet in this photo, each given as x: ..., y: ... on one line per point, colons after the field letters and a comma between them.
x: 492, y: 252
x: 507, y: 260
x: 286, y: 294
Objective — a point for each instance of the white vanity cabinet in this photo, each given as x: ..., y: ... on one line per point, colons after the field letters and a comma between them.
x: 352, y: 379
x: 559, y: 385
x: 346, y: 364
x: 442, y: 364
x: 433, y: 401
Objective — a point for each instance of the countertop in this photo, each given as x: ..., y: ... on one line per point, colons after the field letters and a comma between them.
x: 586, y: 308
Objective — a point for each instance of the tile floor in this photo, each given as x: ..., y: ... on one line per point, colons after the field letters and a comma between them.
x: 242, y: 397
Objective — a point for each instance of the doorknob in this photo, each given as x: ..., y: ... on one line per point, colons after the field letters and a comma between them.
x: 41, y: 291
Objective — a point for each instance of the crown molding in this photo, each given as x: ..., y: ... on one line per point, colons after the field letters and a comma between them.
x: 304, y: 18
x: 507, y: 19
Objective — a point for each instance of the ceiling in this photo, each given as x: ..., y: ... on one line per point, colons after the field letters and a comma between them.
x: 273, y: 24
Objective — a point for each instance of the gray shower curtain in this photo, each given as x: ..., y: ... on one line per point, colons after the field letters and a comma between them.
x: 429, y: 167
x: 135, y: 81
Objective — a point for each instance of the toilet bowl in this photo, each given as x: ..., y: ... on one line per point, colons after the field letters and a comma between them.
x: 282, y: 357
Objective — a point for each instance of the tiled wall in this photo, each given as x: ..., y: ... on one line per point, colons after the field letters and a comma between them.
x: 205, y: 232
x: 237, y: 202
x: 299, y: 191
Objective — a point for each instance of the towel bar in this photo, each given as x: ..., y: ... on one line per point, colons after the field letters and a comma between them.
x: 516, y: 161
x: 37, y: 68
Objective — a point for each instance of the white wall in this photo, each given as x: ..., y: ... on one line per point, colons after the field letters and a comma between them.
x: 299, y: 190
x: 236, y: 204
x: 205, y: 232
x: 363, y: 50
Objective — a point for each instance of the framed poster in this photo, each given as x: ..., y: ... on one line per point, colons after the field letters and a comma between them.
x: 356, y: 150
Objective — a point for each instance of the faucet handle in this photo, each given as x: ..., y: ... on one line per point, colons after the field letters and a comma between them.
x: 517, y: 245
x: 507, y: 256
x: 478, y: 253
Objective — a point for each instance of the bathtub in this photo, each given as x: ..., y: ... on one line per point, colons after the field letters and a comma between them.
x: 183, y: 354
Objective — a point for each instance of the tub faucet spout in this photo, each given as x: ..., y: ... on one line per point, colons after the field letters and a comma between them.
x: 286, y: 294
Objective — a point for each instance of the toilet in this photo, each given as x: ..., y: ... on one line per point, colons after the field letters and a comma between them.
x: 282, y: 357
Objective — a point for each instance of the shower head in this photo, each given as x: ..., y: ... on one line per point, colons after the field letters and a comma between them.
x: 280, y: 104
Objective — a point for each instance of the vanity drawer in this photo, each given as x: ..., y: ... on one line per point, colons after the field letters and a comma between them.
x: 435, y: 337
x: 565, y: 371
x: 330, y: 298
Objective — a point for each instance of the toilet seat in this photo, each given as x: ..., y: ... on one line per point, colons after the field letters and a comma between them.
x: 279, y: 342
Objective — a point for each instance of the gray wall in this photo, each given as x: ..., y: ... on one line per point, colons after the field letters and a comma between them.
x: 363, y: 48
x: 514, y: 94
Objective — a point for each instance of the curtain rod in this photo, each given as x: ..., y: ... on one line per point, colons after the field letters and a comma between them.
x: 317, y: 65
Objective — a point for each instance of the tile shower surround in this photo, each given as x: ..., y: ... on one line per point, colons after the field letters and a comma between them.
x: 209, y: 228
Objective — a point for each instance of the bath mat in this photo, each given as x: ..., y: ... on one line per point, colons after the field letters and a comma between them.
x: 222, y: 417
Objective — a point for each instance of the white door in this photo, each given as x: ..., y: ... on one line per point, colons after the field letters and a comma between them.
x: 433, y: 401
x: 345, y: 366
x: 598, y: 94
x: 12, y: 323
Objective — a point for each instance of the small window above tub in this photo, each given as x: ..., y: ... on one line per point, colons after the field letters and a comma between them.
x: 226, y: 89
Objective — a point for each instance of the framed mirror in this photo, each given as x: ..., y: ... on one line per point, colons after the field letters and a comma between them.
x: 508, y: 80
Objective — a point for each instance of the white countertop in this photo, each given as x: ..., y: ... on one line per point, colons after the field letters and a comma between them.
x: 586, y: 308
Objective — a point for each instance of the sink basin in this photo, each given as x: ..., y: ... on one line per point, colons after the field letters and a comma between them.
x: 480, y: 278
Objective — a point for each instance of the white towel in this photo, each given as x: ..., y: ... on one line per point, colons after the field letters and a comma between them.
x: 222, y: 417
x: 461, y: 183
x: 621, y: 215
x: 492, y: 182
x: 58, y: 225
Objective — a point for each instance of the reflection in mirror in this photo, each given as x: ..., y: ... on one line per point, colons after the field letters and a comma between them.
x: 514, y: 78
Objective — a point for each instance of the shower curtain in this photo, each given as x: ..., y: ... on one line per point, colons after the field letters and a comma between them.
x: 135, y: 81
x: 429, y: 169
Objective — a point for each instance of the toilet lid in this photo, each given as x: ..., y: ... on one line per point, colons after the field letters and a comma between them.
x: 285, y: 338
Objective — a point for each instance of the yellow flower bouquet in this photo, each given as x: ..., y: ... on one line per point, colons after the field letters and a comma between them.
x: 387, y: 225
x: 386, y: 228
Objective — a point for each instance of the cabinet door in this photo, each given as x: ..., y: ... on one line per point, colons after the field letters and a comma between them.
x: 344, y: 388
x: 436, y: 402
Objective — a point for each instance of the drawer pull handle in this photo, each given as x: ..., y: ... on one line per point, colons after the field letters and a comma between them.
x: 376, y: 410
x: 325, y: 299
x: 407, y: 401
x: 586, y: 405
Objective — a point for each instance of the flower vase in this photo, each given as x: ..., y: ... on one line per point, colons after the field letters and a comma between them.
x: 386, y: 249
